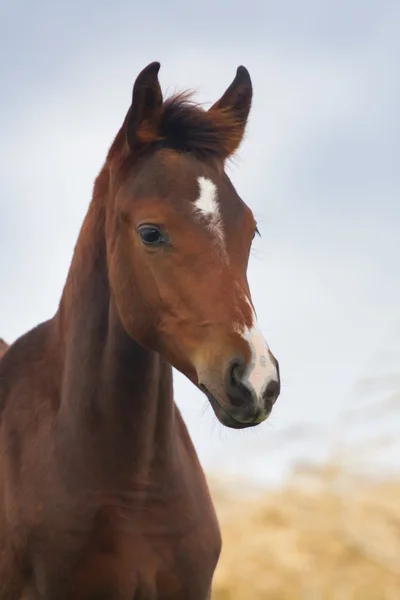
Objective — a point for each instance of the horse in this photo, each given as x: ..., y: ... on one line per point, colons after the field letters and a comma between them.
x: 3, y: 347
x: 102, y: 495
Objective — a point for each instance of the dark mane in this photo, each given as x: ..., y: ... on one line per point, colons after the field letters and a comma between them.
x: 185, y: 126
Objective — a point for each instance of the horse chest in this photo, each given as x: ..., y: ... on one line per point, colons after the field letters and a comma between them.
x: 155, y: 555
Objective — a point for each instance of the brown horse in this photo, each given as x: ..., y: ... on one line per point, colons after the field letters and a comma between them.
x: 101, y: 492
x: 3, y: 347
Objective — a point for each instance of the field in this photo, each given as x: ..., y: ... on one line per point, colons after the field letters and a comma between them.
x: 329, y: 535
x: 332, y: 532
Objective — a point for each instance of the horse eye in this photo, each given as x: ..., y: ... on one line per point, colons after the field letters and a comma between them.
x: 151, y: 235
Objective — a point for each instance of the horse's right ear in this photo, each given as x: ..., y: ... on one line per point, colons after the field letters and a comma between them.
x: 142, y: 120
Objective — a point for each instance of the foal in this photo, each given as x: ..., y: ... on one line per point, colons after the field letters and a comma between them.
x: 3, y: 347
x: 101, y: 492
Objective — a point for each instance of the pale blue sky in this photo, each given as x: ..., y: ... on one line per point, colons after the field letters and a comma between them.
x: 319, y: 168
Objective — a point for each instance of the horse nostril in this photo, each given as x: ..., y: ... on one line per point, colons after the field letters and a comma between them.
x: 271, y: 392
x: 235, y: 373
x: 235, y: 370
x: 239, y: 394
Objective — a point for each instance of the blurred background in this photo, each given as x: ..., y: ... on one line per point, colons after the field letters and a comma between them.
x: 310, y: 501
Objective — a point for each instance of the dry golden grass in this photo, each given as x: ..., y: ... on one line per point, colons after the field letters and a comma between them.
x: 328, y: 535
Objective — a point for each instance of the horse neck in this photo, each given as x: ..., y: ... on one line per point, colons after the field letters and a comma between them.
x: 116, y: 395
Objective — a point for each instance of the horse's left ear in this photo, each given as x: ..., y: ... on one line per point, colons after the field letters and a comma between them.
x: 236, y: 103
x: 142, y: 120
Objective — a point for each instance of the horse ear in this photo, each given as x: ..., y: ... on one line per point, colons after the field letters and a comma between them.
x: 236, y: 103
x: 141, y: 123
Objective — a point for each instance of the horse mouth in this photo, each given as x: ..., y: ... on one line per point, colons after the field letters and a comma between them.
x: 222, y: 414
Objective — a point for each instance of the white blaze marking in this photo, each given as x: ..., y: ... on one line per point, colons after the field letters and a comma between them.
x: 207, y: 207
x: 262, y: 369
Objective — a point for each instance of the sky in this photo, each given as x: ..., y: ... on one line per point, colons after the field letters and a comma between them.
x: 318, y: 167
